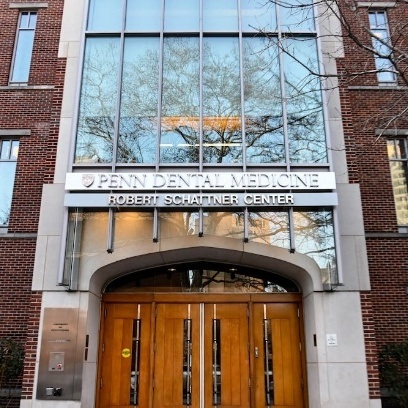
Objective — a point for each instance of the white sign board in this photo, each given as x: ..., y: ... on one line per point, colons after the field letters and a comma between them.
x: 194, y: 200
x: 331, y: 340
x: 259, y: 181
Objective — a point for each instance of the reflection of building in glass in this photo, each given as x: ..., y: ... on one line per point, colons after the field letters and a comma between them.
x: 397, y: 153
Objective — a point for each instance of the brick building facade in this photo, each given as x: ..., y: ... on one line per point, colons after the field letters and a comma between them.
x: 29, y: 114
x: 44, y: 113
x: 374, y: 115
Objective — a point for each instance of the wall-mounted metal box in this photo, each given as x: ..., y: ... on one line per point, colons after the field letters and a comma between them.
x: 61, y: 355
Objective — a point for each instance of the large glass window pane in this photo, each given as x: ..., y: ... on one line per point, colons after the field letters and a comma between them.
x: 180, y: 101
x: 398, y: 155
x: 24, y: 47
x: 181, y: 15
x: 96, y: 125
x: 307, y: 143
x: 8, y: 164
x: 224, y: 224
x: 72, y: 246
x: 5, y: 147
x: 178, y: 224
x: 399, y: 174
x: 220, y: 15
x: 381, y: 44
x: 258, y: 15
x: 143, y: 15
x: 222, y: 133
x: 7, y: 174
x: 296, y: 15
x: 105, y: 15
x: 94, y: 237
x: 14, y: 149
x: 314, y: 236
x: 87, y: 237
x: 270, y: 228
x: 140, y: 86
x: 22, y: 59
x: 383, y: 65
x: 201, y: 277
x: 401, y: 149
x: 263, y: 106
x: 132, y: 228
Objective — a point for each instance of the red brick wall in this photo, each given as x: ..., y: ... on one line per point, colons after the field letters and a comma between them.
x: 385, y: 308
x: 389, y: 282
x: 31, y: 345
x: 46, y: 41
x: 38, y: 110
x: 370, y: 345
x: 15, y: 285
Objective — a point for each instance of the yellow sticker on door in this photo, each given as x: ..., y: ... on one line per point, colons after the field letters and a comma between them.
x: 126, y: 353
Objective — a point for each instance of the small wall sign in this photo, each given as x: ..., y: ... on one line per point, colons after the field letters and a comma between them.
x: 331, y: 340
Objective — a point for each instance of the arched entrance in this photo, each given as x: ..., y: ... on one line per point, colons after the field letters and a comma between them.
x: 201, y: 335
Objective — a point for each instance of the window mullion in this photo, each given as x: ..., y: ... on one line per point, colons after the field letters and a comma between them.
x: 119, y: 88
x: 241, y: 76
x: 201, y: 102
x: 160, y: 90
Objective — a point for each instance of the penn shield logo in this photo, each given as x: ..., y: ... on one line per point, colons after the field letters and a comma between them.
x: 88, y: 179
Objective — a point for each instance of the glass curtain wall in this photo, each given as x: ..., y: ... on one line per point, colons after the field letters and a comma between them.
x: 171, y: 82
x: 312, y: 231
x: 204, y: 83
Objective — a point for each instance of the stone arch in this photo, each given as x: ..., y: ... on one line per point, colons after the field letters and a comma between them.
x: 300, y: 268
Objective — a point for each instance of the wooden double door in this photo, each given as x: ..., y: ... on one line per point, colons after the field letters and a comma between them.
x: 201, y: 351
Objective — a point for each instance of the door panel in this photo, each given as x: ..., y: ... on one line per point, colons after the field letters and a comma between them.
x: 125, y: 373
x: 226, y: 355
x: 278, y: 361
x: 176, y: 381
x: 174, y: 355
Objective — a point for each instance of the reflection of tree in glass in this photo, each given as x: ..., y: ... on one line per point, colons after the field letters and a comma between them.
x: 5, y: 213
x: 178, y: 224
x: 271, y: 228
x: 304, y: 103
x: 224, y: 224
x: 227, y: 282
x: 180, y: 101
x: 263, y: 105
x: 222, y: 129
x: 98, y: 101
x: 314, y: 236
x: 138, y: 115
